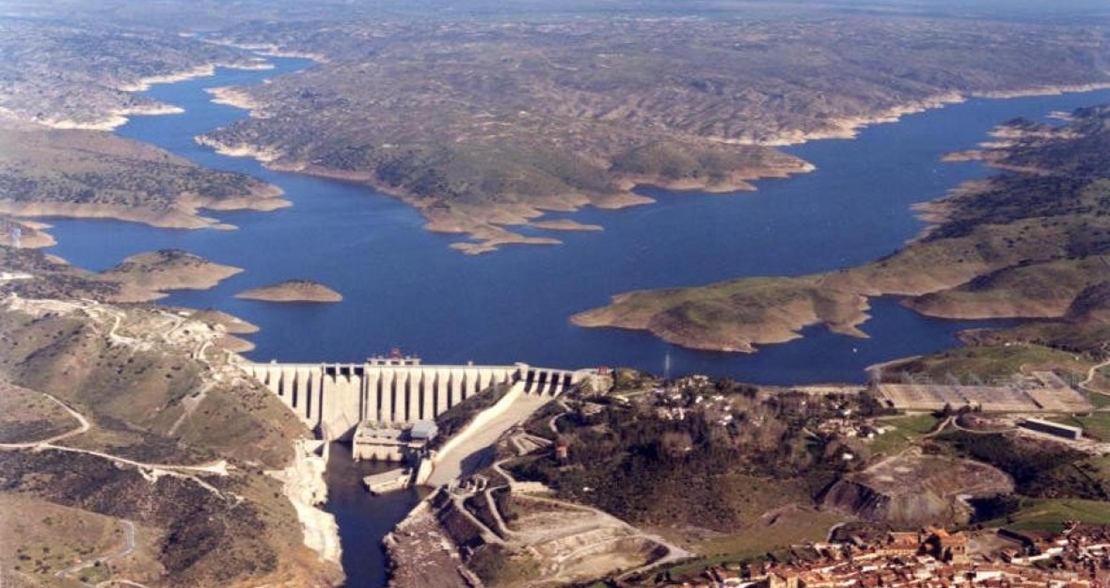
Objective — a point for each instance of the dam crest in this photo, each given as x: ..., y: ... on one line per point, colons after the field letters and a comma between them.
x: 333, y: 398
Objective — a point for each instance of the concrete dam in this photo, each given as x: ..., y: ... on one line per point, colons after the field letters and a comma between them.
x: 332, y: 399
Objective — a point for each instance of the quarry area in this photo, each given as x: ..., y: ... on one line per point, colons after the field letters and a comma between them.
x: 515, y: 534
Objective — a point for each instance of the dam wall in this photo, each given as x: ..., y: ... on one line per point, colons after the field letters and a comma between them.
x: 332, y: 398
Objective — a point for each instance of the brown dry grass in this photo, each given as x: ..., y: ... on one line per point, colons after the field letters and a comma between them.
x: 27, y: 415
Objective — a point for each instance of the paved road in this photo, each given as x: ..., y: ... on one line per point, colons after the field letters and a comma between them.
x: 467, y: 458
x: 127, y: 549
x: 1091, y: 376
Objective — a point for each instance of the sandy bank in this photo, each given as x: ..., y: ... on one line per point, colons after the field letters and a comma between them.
x: 144, y: 84
x: 231, y: 96
x: 304, y: 486
x: 119, y: 116
x: 748, y: 313
x: 114, y: 119
x: 849, y: 127
x: 166, y: 219
x: 1044, y: 91
x: 565, y: 224
x: 184, y: 214
x: 262, y: 154
x: 33, y: 234
x: 269, y: 50
x: 170, y: 269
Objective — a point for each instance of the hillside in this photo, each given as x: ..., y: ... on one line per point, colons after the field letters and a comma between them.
x: 91, y: 174
x: 69, y: 73
x: 1029, y: 242
x: 483, y: 124
x: 140, y: 278
x: 136, y: 415
x: 168, y: 269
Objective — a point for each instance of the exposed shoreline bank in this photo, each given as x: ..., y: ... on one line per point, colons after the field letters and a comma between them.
x: 489, y: 229
x: 185, y: 215
x: 849, y: 127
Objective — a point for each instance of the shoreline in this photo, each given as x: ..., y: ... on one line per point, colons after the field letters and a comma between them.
x: 200, y: 71
x: 849, y: 127
x: 490, y: 230
x: 305, y: 488
x: 118, y: 117
x: 185, y: 215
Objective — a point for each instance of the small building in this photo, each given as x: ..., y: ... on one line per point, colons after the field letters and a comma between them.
x: 561, y: 448
x: 947, y: 547
x: 392, y: 441
x: 425, y: 430
x: 1056, y: 429
x: 902, y: 544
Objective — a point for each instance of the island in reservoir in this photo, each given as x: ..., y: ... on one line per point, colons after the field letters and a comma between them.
x: 292, y: 291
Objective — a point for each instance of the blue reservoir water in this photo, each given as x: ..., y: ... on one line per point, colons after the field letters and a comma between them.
x: 404, y: 287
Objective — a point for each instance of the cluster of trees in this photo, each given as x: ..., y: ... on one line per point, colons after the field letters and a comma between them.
x: 1039, y: 470
x: 626, y: 461
x: 154, y: 185
x: 1078, y: 185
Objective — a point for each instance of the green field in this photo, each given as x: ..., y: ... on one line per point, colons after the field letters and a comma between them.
x: 1050, y: 515
x: 992, y: 362
x: 1097, y: 425
x: 906, y: 429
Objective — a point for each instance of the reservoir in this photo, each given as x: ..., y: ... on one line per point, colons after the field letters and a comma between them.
x: 403, y: 287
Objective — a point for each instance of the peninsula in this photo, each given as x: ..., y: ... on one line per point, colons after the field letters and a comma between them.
x: 483, y: 125
x: 1030, y: 243
x: 168, y: 269
x: 91, y: 174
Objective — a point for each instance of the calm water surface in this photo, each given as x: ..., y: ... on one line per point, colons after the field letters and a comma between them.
x: 363, y: 518
x: 404, y: 288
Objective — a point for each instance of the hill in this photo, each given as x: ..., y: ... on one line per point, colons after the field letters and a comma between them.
x: 140, y: 278
x: 90, y: 174
x: 133, y: 417
x: 169, y: 269
x: 489, y: 122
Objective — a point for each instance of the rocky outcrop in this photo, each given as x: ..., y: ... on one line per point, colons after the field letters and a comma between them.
x: 937, y: 494
x: 305, y: 488
x: 919, y: 508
